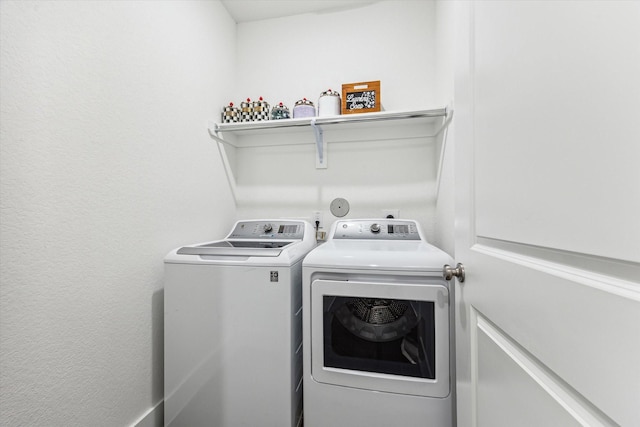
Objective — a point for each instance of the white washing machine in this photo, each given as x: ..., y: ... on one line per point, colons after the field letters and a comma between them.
x: 378, y: 328
x: 233, y: 327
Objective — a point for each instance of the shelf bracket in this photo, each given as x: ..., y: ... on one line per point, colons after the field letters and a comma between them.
x: 442, y: 142
x: 321, y: 146
x: 228, y: 170
x: 213, y: 133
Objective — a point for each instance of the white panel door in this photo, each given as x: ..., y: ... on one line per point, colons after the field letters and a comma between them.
x: 547, y: 135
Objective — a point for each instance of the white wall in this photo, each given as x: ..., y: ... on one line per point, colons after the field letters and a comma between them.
x: 445, y: 37
x: 290, y: 58
x: 106, y: 165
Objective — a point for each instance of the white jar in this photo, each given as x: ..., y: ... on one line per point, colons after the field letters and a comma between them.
x: 329, y: 104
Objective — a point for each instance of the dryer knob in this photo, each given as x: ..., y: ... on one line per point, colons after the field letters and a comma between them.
x: 268, y: 228
x: 375, y: 228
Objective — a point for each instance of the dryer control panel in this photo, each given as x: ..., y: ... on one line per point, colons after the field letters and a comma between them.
x: 378, y: 229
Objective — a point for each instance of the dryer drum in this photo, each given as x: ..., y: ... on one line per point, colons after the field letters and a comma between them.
x: 377, y: 320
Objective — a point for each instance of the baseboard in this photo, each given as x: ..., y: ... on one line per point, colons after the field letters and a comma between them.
x: 154, y: 417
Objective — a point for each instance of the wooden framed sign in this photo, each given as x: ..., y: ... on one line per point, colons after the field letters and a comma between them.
x: 361, y: 97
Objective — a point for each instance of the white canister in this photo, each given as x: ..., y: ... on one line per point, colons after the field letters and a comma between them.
x: 329, y: 103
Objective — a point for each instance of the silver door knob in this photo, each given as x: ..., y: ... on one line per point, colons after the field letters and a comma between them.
x: 448, y: 272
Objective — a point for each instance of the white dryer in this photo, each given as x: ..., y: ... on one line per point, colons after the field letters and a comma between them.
x: 233, y: 327
x: 378, y: 328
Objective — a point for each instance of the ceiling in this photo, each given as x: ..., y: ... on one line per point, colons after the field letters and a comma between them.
x: 255, y: 10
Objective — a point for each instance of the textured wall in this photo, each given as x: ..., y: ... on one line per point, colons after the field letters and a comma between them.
x: 105, y: 166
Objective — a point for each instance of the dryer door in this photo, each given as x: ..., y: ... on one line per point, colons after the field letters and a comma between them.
x: 391, y: 337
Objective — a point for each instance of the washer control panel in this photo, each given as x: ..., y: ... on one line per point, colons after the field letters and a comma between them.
x: 378, y: 229
x: 268, y: 229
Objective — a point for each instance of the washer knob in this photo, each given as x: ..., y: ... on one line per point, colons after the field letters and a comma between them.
x: 268, y: 228
x: 375, y: 228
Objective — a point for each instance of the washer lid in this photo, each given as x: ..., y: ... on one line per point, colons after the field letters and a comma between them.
x: 260, y: 242
x: 270, y: 248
